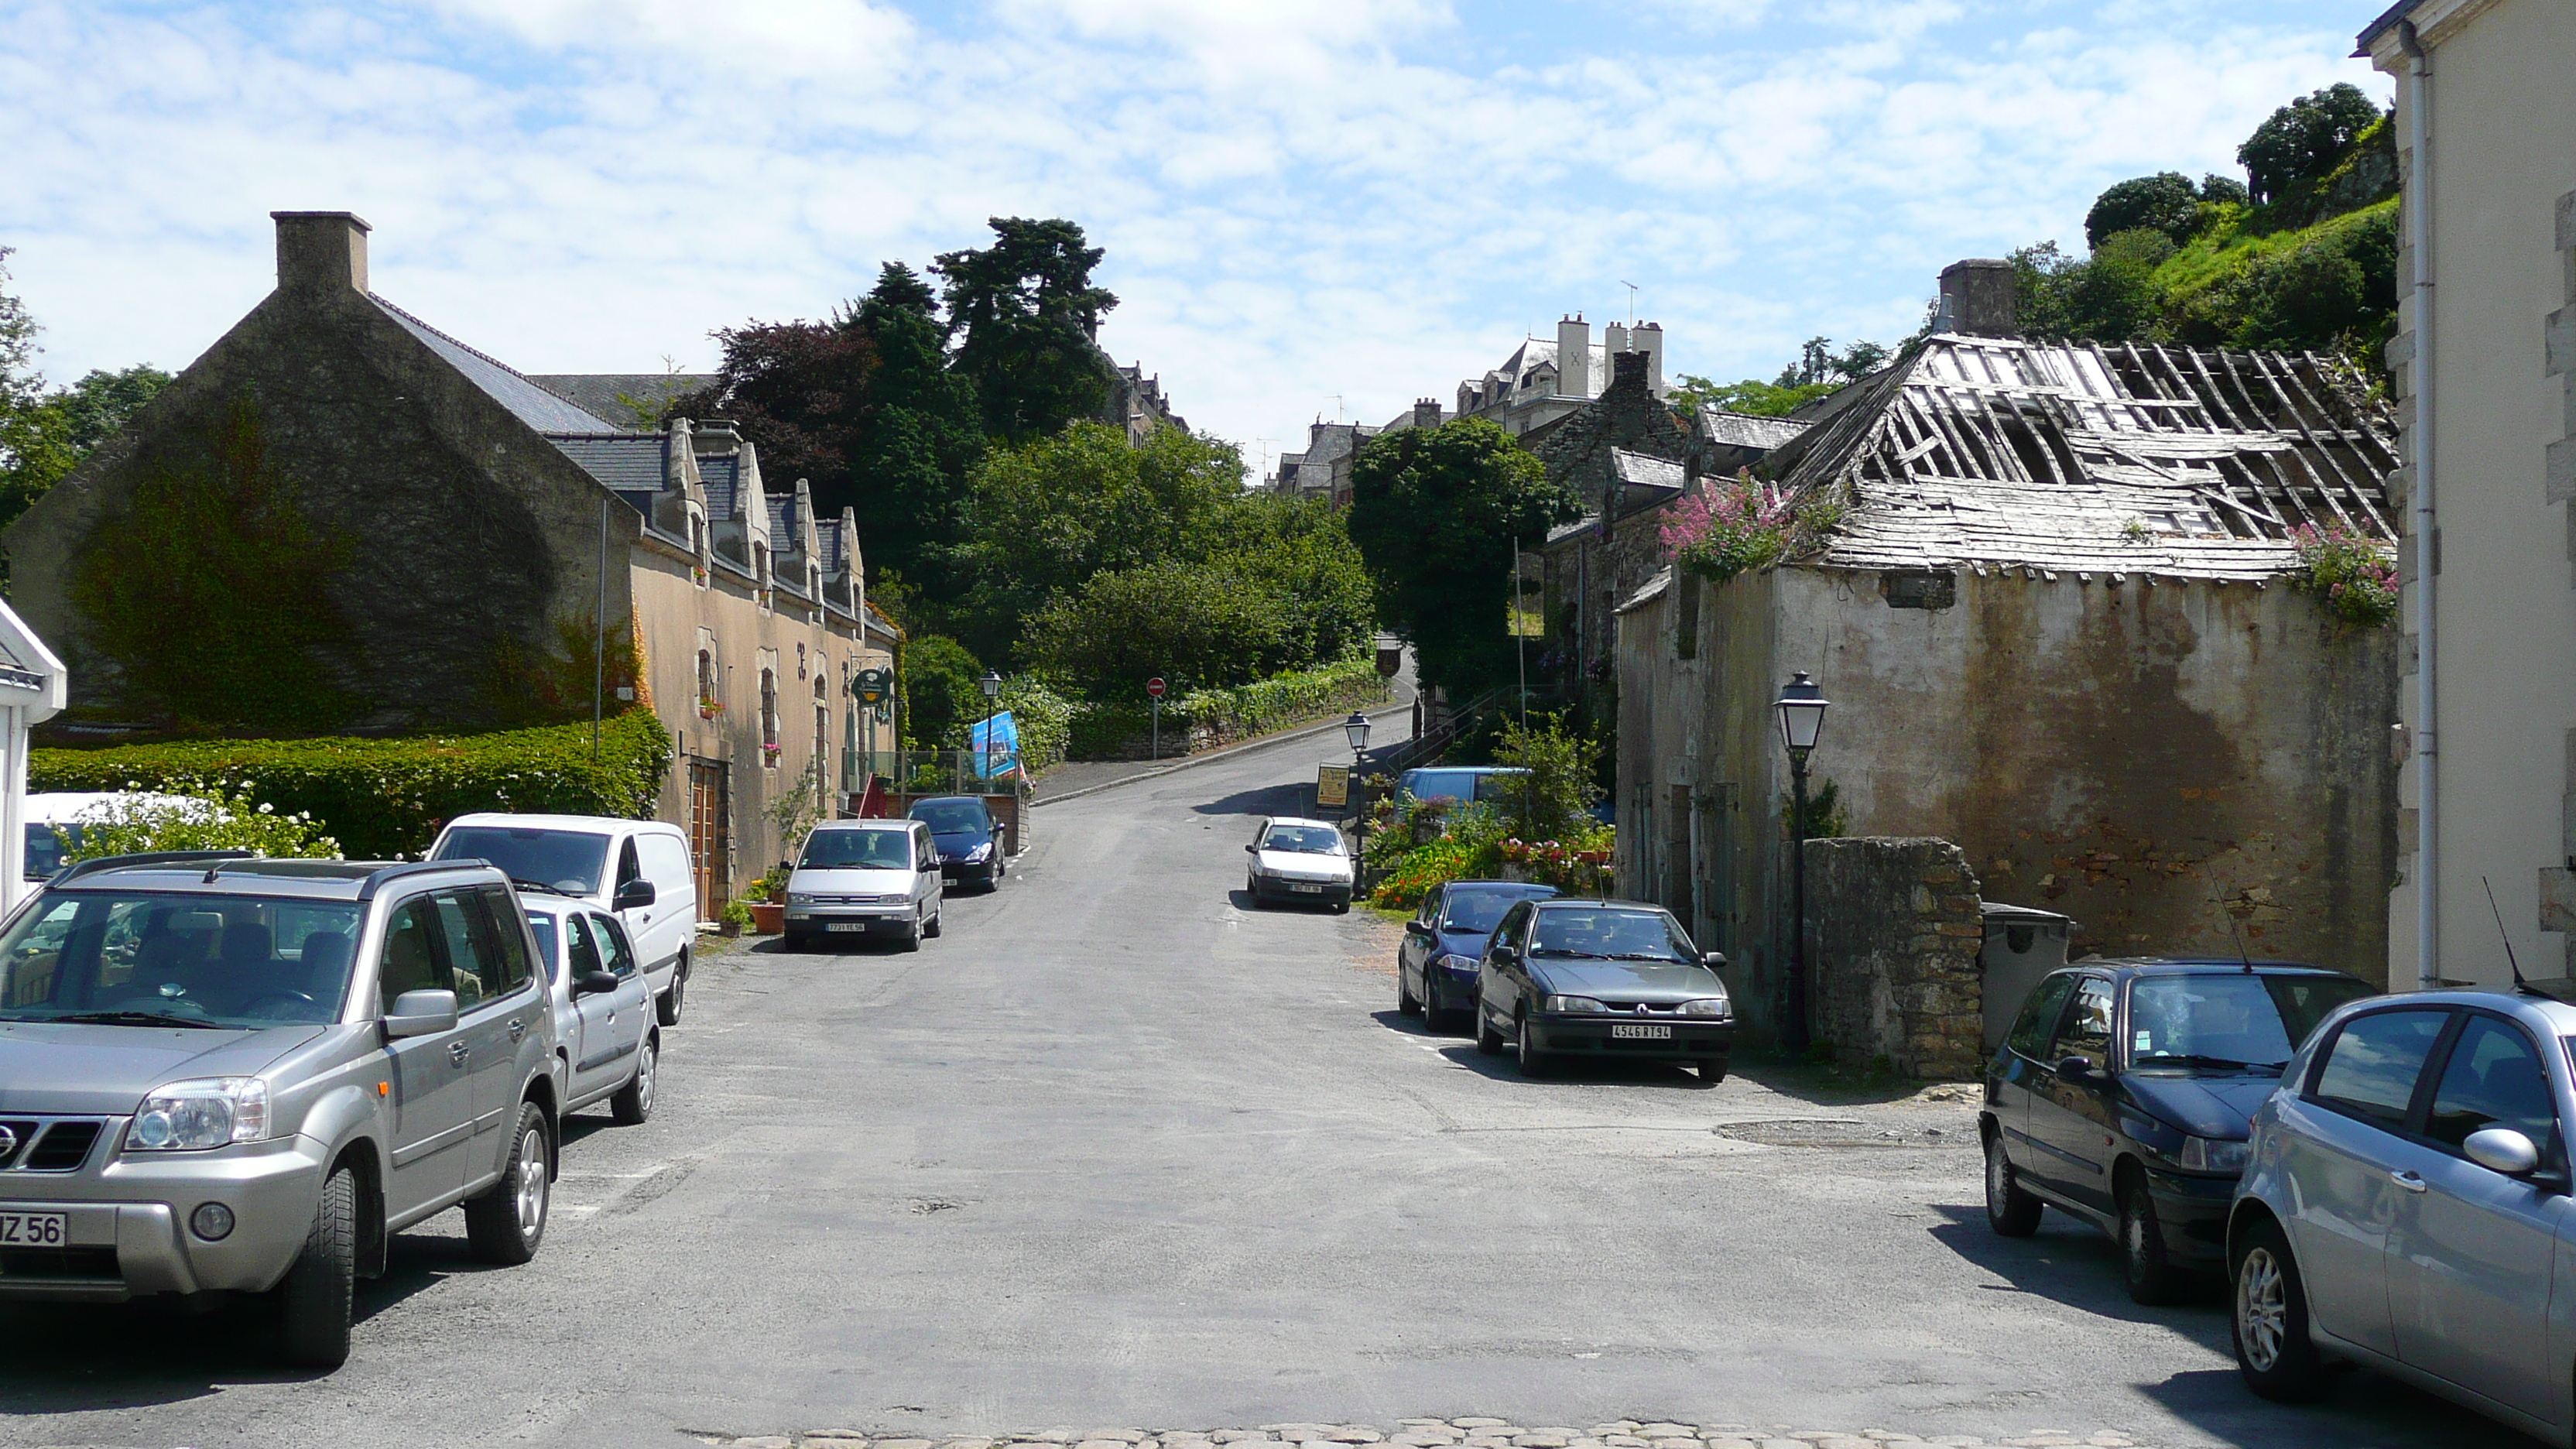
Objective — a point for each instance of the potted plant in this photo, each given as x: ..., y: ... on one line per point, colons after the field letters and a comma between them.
x: 734, y: 917
x: 709, y: 707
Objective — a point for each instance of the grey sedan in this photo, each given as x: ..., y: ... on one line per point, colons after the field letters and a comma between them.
x: 1566, y: 978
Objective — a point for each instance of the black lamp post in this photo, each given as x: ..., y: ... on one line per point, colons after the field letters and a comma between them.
x: 1357, y: 729
x: 1802, y: 717
x: 992, y: 686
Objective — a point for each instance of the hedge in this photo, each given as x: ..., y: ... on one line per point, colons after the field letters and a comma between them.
x: 1205, y: 718
x: 386, y: 798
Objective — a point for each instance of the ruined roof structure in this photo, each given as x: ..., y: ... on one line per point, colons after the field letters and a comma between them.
x: 1990, y: 452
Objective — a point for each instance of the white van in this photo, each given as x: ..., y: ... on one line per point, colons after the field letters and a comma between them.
x: 638, y: 869
x: 865, y: 878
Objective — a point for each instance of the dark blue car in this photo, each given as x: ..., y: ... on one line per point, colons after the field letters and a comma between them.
x: 970, y: 844
x: 1435, y: 971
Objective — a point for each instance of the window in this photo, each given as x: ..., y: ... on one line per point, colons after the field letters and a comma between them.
x: 2037, y: 1023
x: 2371, y: 1069
x: 857, y: 850
x: 1303, y: 839
x: 769, y: 718
x: 800, y: 666
x: 506, y: 946
x: 2493, y: 1079
x: 582, y: 953
x: 467, y: 965
x: 1430, y: 906
x: 1612, y: 933
x: 2087, y: 1032
x: 410, y: 962
x: 611, y: 940
x: 628, y: 872
x: 568, y: 860
x: 2235, y: 1017
x: 1515, y: 924
x: 549, y: 950
x: 709, y: 699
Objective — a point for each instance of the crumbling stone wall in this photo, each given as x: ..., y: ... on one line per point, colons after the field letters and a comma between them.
x: 1893, y: 931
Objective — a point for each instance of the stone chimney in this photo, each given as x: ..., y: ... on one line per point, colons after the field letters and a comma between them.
x: 1614, y: 339
x: 320, y: 251
x: 1649, y: 339
x: 1574, y: 356
x: 1627, y: 369
x: 1426, y: 412
x: 1980, y: 298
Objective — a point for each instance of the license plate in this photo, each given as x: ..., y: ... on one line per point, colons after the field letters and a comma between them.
x: 1312, y: 890
x: 32, y: 1230
x: 1641, y: 1031
x: 845, y: 925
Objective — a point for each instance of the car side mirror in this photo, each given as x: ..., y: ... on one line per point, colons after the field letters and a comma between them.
x: 593, y: 983
x: 2502, y: 1149
x: 421, y: 1013
x: 2074, y: 1069
x: 1252, y: 850
x: 633, y: 894
x: 1416, y: 928
x: 1714, y: 960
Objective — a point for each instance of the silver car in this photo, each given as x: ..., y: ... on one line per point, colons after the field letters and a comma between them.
x: 2406, y: 1204
x: 226, y: 1073
x: 858, y: 878
x: 607, y: 1044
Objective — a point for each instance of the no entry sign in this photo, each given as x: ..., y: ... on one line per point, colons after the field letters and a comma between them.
x: 1154, y: 687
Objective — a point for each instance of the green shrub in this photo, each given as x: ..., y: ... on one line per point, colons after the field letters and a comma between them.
x: 942, y: 693
x: 1554, y: 801
x: 220, y: 819
x: 383, y: 798
x: 1204, y: 718
x: 2354, y: 576
x: 1044, y: 718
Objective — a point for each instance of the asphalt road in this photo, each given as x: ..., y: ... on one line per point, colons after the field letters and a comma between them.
x: 1118, y: 1150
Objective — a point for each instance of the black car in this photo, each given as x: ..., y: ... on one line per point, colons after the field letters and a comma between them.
x: 970, y: 844
x: 2125, y: 1092
x: 1567, y: 978
x: 1435, y: 968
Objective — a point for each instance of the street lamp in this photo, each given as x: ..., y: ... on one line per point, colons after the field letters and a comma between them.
x: 1356, y: 729
x: 1802, y: 717
x: 992, y: 687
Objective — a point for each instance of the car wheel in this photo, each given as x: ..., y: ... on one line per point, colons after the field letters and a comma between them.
x: 2010, y: 1209
x: 910, y: 937
x: 1712, y: 1070
x: 2270, y: 1320
x: 1533, y: 1062
x: 1341, y: 908
x: 505, y: 1224
x: 634, y: 1101
x: 1435, y: 1022
x: 931, y: 931
x: 313, y: 1303
x: 666, y: 1007
x: 1252, y: 888
x: 1406, y: 1003
x: 2152, y: 1279
x: 1488, y: 1040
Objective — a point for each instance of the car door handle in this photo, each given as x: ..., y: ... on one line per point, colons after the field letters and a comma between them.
x: 456, y: 1053
x: 518, y: 1029
x: 2407, y: 1180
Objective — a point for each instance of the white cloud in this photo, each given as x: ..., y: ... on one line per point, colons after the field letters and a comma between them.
x: 1369, y: 198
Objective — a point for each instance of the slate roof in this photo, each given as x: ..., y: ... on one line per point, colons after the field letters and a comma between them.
x: 624, y: 461
x: 597, y: 392
x: 1746, y: 430
x: 2387, y: 21
x: 722, y: 474
x: 782, y: 521
x: 827, y: 541
x: 1982, y: 451
x: 534, y: 406
x: 1645, y: 470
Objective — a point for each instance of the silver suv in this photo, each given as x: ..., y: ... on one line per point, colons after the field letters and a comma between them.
x: 219, y: 1072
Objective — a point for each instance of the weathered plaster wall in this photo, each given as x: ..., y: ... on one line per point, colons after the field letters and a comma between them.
x: 468, y: 529
x: 2131, y: 756
x: 1893, y: 935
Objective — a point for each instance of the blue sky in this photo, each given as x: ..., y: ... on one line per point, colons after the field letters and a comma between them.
x: 1302, y: 200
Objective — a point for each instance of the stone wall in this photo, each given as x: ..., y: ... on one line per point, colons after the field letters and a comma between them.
x: 1893, y: 931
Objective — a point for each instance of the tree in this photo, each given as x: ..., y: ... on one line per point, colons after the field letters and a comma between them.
x: 2165, y: 202
x: 1554, y: 801
x: 2301, y: 143
x: 1024, y: 315
x: 1202, y: 625
x: 942, y: 693
x: 1434, y: 511
x: 1300, y: 550
x: 44, y: 435
x: 1752, y: 395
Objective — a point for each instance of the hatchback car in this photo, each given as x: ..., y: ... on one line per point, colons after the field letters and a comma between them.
x: 639, y: 871
x: 2124, y: 1093
x: 607, y: 1044
x: 2408, y: 1208
x: 226, y: 1073
x: 1300, y: 860
x: 969, y: 841
x: 862, y: 878
x: 1566, y: 978
x: 1435, y: 968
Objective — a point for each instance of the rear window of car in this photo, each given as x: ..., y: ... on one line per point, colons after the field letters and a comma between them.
x: 1433, y: 784
x: 567, y: 860
x: 1471, y: 910
x: 857, y: 850
x: 2371, y: 1070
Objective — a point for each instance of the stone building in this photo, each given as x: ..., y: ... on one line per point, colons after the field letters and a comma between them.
x: 1547, y: 379
x: 1136, y: 403
x: 2485, y: 368
x: 2057, y: 623
x: 340, y: 519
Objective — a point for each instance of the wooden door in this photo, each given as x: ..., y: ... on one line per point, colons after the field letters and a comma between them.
x: 710, y: 838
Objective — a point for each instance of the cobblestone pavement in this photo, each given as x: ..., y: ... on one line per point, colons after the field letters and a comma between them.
x: 1473, y: 1432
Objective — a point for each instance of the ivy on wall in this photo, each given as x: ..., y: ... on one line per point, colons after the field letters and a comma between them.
x: 210, y: 589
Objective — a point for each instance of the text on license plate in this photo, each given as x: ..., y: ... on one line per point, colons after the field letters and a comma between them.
x: 1308, y: 889
x: 1641, y: 1031
x: 31, y: 1230
x: 845, y: 925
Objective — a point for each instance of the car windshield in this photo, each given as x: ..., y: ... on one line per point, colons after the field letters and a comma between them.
x: 1303, y: 839
x: 1613, y: 932
x: 46, y: 847
x: 953, y: 817
x: 857, y: 850
x: 1478, y: 911
x: 133, y: 958
x: 568, y: 860
x: 2254, y: 1019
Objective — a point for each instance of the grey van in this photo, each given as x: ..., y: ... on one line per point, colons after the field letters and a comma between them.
x: 219, y: 1072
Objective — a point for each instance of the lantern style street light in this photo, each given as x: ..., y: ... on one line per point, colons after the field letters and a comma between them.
x: 991, y: 684
x: 1802, y: 709
x: 1356, y: 728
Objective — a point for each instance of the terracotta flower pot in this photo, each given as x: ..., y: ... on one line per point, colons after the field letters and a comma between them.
x: 768, y: 918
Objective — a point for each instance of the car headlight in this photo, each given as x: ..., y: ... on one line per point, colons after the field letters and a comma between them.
x: 1454, y: 962
x: 800, y: 898
x: 194, y: 1115
x: 1709, y: 1006
x: 980, y: 853
x: 1575, y: 1004
x: 2210, y: 1154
